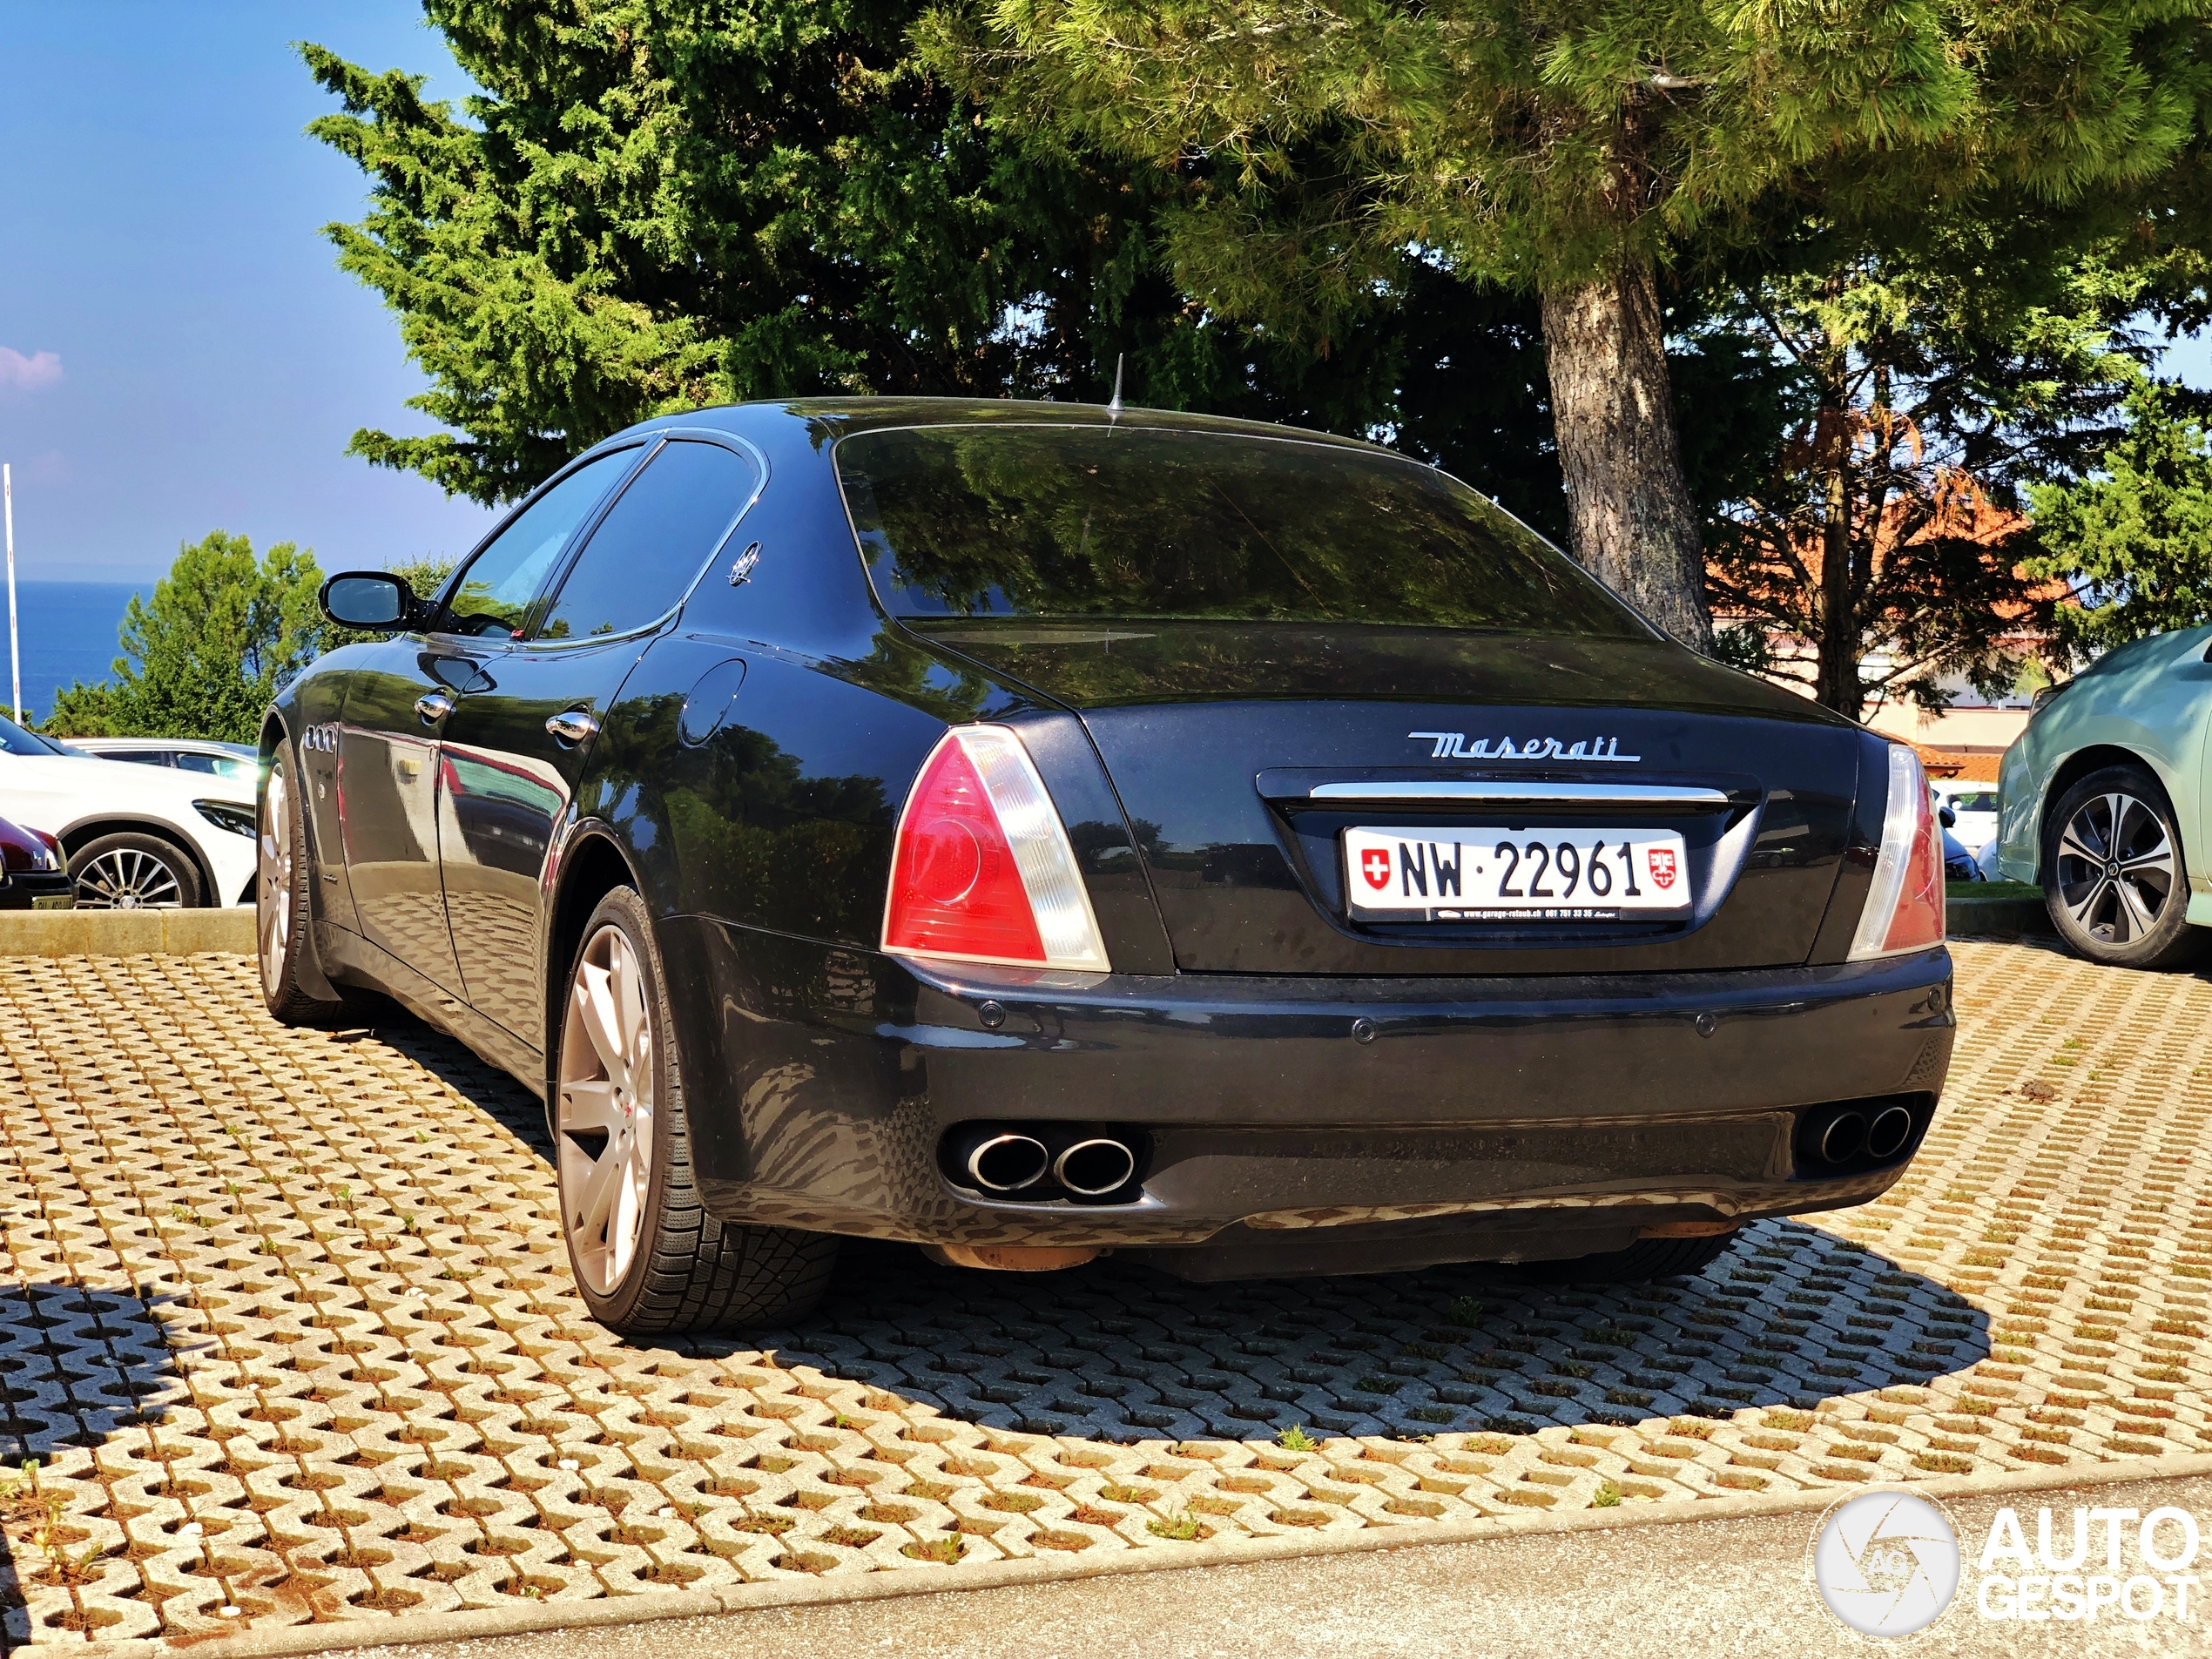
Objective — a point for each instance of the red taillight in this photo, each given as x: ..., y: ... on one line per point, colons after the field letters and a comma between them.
x: 982, y: 871
x: 1904, y: 901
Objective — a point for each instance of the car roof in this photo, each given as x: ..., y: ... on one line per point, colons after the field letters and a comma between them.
x: 837, y: 417
x: 188, y: 746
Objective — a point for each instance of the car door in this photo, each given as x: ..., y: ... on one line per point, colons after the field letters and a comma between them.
x: 515, y: 747
x: 398, y: 698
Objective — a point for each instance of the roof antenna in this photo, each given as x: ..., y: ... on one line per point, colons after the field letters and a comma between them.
x: 1115, y: 407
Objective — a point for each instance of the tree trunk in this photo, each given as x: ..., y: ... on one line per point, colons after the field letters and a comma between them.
x: 1632, y: 523
x: 1836, y: 684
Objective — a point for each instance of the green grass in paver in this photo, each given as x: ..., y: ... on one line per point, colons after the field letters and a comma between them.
x: 1993, y: 890
x: 323, y: 1276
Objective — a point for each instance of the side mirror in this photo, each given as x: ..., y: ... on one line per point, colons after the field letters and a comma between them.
x: 368, y: 599
x: 1949, y: 815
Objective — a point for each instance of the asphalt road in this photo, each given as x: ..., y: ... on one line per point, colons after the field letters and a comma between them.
x: 1720, y: 1587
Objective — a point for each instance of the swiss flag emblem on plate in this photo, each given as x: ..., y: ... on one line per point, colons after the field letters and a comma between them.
x: 1663, y: 866
x: 1374, y: 864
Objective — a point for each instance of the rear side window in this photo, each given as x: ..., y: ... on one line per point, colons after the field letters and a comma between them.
x: 497, y: 589
x: 1058, y: 521
x: 650, y: 547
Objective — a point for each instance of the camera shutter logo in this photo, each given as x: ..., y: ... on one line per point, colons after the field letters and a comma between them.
x: 1886, y: 1563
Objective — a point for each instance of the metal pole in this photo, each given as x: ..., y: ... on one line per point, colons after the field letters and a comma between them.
x: 15, y: 654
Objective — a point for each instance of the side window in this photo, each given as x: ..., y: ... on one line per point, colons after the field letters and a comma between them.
x: 647, y: 551
x: 496, y: 589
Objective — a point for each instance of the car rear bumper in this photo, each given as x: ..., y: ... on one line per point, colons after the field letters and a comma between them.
x: 1288, y: 1123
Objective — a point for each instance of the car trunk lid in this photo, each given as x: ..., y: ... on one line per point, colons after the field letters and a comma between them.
x: 1244, y: 752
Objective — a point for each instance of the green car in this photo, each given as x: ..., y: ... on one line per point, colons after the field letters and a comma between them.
x: 2105, y: 803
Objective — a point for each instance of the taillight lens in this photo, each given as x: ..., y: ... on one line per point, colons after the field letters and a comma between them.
x: 982, y: 871
x: 1905, y: 905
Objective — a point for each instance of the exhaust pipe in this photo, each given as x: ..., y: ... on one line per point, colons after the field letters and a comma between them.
x: 1887, y: 1134
x: 1841, y: 1137
x: 1095, y: 1167
x: 1006, y: 1162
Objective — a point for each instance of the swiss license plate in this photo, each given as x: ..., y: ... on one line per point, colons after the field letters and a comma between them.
x: 1531, y: 872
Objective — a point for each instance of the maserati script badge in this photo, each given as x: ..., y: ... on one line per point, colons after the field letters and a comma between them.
x: 1453, y: 746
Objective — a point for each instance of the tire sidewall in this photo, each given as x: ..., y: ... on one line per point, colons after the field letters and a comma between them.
x: 287, y: 988
x: 626, y: 910
x: 2171, y: 935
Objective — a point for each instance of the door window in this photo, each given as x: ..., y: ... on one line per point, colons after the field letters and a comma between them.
x: 495, y: 591
x: 648, y: 550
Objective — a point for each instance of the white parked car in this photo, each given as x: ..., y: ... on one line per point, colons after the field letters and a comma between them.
x: 1976, y: 808
x: 233, y: 760
x: 137, y: 836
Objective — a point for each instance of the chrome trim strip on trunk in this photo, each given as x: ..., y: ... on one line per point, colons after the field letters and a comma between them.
x: 1483, y: 790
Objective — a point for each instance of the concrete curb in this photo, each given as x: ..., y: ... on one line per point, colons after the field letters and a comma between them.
x: 1997, y: 917
x: 477, y: 1623
x: 125, y: 933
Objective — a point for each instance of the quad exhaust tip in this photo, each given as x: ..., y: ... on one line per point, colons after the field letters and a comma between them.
x: 1887, y: 1134
x: 1095, y: 1167
x: 1842, y: 1137
x: 1855, y: 1136
x: 1007, y: 1162
x: 1045, y: 1163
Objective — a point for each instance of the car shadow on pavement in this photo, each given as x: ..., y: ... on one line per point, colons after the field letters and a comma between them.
x: 1790, y: 1317
x: 78, y: 1367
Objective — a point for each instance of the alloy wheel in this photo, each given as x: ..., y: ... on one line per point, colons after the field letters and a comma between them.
x: 2115, y: 867
x: 605, y: 1112
x: 124, y: 878
x: 275, y: 918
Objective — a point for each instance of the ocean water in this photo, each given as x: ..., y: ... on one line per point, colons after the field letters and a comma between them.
x: 66, y: 631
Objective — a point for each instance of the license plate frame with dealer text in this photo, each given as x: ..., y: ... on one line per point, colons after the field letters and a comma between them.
x: 1516, y: 873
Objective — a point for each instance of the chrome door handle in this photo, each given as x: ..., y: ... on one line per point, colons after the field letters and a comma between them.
x: 573, y: 725
x: 432, y: 706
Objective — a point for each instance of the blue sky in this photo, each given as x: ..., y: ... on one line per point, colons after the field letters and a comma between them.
x: 178, y: 350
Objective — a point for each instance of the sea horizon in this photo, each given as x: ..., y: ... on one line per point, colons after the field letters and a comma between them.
x: 67, y: 632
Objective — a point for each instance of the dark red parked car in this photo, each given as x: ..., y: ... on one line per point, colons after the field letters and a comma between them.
x: 34, y: 874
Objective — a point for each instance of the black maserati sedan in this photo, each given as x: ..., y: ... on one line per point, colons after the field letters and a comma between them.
x: 1033, y: 831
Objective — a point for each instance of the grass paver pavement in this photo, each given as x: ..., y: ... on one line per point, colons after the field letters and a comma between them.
x: 287, y: 1337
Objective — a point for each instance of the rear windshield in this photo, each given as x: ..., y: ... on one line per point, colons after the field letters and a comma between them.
x: 1055, y: 522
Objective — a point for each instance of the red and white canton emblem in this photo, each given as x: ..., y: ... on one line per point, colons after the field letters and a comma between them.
x: 1663, y: 866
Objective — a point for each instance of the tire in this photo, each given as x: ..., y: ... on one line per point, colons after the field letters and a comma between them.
x: 132, y: 871
x: 652, y: 1262
x: 1646, y: 1259
x: 281, y: 903
x: 2119, y: 896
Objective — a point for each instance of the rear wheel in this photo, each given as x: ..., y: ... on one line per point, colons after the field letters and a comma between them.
x: 2113, y: 879
x: 132, y: 871
x: 648, y: 1258
x: 1648, y: 1258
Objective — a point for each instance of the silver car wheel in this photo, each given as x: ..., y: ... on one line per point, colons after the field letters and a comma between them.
x: 124, y: 877
x: 274, y: 895
x: 2115, y: 868
x: 605, y: 1111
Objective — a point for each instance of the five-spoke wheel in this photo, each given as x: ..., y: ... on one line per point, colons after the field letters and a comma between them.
x: 2113, y: 876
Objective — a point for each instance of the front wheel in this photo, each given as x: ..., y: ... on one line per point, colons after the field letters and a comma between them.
x: 2113, y: 879
x: 648, y: 1258
x: 131, y: 871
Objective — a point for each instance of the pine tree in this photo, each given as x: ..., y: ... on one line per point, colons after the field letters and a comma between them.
x: 655, y: 205
x: 1577, y: 152
x: 2133, y: 541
